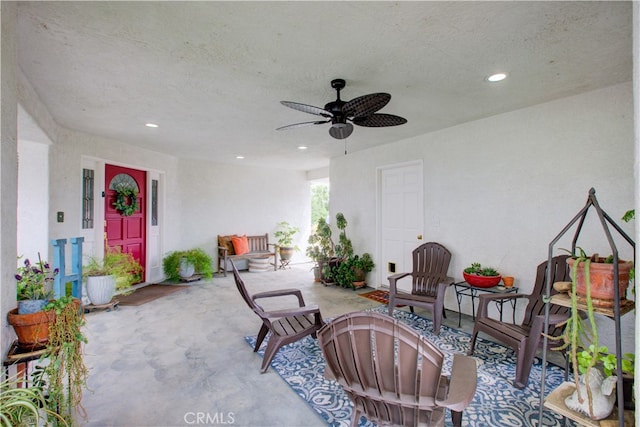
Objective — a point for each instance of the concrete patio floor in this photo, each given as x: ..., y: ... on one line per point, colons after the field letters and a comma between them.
x: 183, y: 356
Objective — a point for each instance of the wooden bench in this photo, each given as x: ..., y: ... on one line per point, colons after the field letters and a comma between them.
x: 259, y: 247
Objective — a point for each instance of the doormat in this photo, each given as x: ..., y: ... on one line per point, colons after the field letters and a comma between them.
x: 148, y: 293
x: 379, y: 295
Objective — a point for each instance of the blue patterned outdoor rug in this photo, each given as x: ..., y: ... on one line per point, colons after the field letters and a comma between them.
x: 496, y: 403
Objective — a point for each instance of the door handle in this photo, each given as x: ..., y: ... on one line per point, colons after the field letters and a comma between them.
x: 419, y: 237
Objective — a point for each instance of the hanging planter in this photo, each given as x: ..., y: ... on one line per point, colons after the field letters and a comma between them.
x: 126, y: 200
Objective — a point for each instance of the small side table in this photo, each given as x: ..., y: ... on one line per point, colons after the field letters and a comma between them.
x: 465, y: 289
x: 284, y: 263
x: 21, y: 357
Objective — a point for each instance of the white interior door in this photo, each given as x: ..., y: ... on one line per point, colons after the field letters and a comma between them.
x: 401, y: 217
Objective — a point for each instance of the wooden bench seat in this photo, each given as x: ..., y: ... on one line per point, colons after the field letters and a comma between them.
x: 259, y: 247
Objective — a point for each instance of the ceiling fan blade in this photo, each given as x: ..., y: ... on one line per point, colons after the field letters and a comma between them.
x: 303, y: 124
x: 366, y: 105
x: 341, y: 130
x: 307, y: 108
x: 379, y: 120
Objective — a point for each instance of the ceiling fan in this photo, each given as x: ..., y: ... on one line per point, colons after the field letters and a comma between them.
x: 360, y: 111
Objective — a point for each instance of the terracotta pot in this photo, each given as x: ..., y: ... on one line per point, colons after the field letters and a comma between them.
x: 601, y: 276
x: 32, y: 329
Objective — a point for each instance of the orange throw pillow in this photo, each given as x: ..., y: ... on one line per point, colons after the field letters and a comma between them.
x: 240, y: 244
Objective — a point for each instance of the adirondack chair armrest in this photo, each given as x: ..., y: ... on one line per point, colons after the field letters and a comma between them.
x: 443, y: 284
x: 299, y: 311
x: 462, y: 383
x: 280, y: 293
x: 223, y: 250
x: 485, y: 299
x: 394, y: 278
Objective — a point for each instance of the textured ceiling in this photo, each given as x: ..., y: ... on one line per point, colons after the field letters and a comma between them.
x: 211, y: 74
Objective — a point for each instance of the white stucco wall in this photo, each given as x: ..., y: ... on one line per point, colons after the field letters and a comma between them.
x: 33, y: 199
x: 8, y: 167
x: 235, y: 199
x: 503, y: 187
x: 202, y: 199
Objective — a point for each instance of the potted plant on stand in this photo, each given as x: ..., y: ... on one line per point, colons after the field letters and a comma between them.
x: 116, y: 271
x: 361, y: 265
x: 321, y: 248
x: 34, y: 288
x: 595, y: 385
x: 351, y: 268
x: 57, y: 384
x: 284, y: 235
x: 481, y: 277
x: 184, y: 265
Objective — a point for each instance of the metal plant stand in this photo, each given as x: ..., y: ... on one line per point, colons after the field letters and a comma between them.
x: 615, y: 314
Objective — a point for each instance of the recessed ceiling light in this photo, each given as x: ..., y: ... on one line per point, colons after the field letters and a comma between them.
x: 302, y: 147
x: 151, y: 125
x: 497, y: 77
x: 239, y: 157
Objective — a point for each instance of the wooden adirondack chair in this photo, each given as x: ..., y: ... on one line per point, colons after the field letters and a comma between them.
x: 525, y: 338
x: 429, y: 282
x: 286, y: 326
x: 392, y: 374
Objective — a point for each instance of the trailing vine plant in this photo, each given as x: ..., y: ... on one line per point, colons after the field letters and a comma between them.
x: 577, y: 334
x: 126, y: 200
x: 64, y: 377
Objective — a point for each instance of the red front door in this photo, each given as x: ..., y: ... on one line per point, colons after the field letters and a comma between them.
x: 123, y: 230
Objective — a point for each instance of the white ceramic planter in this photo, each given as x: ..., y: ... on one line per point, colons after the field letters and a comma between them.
x: 100, y: 289
x: 186, y: 269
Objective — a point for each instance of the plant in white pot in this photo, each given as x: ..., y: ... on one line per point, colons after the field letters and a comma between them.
x: 284, y: 234
x: 116, y: 271
x: 182, y: 265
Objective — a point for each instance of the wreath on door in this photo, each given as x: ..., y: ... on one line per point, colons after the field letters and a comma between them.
x: 126, y: 200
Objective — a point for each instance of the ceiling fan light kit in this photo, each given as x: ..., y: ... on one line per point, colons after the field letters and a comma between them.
x: 360, y: 111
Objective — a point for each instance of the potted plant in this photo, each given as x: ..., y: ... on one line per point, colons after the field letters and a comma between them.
x: 350, y: 269
x: 34, y: 285
x: 344, y: 247
x: 284, y: 234
x: 599, y: 271
x: 481, y: 277
x: 608, y: 363
x: 116, y: 271
x: 179, y: 265
x: 30, y: 320
x: 320, y: 248
x: 21, y: 404
x: 594, y: 382
x: 362, y: 265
